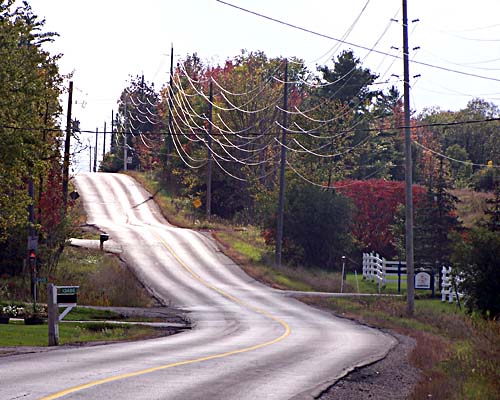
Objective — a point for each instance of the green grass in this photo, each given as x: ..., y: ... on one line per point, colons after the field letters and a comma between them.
x: 96, y: 273
x: 248, y: 245
x: 17, y: 334
x: 457, y: 352
x: 90, y: 314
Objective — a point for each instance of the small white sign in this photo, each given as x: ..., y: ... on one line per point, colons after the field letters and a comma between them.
x: 422, y: 280
x: 129, y: 160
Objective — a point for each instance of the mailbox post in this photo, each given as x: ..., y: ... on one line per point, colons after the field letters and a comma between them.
x: 103, y: 238
x: 59, y: 296
x: 53, y: 315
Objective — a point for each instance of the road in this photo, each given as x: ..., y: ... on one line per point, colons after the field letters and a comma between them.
x: 248, y: 341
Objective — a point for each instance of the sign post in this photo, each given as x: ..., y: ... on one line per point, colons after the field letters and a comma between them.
x: 53, y: 318
x: 59, y: 296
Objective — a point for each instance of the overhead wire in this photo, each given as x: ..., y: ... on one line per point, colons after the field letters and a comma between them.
x: 354, y: 44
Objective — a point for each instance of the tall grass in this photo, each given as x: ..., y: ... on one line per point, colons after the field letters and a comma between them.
x: 103, y: 280
x: 457, y: 352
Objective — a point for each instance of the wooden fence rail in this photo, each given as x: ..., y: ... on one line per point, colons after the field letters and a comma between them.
x: 378, y: 269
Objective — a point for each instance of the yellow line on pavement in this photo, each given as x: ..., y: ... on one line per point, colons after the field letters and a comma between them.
x: 185, y: 362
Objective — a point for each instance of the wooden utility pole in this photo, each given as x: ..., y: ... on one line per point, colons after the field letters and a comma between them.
x: 170, y: 116
x: 410, y: 268
x: 104, y: 142
x: 208, y: 205
x: 281, y: 205
x: 95, y: 149
x: 112, y: 141
x: 125, y: 133
x: 67, y: 142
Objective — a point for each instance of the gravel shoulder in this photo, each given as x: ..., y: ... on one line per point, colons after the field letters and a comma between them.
x: 390, y: 378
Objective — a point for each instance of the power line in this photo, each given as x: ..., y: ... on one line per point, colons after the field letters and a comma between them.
x: 415, y: 126
x: 356, y: 45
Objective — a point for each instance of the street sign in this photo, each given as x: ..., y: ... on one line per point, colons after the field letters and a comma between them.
x: 197, y: 203
x: 42, y: 280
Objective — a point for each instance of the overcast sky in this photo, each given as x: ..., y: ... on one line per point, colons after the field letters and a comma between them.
x: 106, y: 41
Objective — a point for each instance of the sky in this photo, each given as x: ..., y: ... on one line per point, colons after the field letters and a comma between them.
x: 104, y: 42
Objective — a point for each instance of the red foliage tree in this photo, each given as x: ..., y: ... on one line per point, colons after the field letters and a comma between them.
x: 376, y: 201
x: 51, y: 201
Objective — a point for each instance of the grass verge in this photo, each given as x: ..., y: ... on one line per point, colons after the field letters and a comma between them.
x: 17, y: 334
x: 458, y: 353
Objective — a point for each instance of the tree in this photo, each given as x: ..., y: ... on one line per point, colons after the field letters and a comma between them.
x: 138, y: 124
x: 242, y: 134
x: 477, y: 259
x: 461, y: 165
x: 348, y: 81
x: 376, y: 202
x: 435, y: 221
x: 479, y: 140
x: 30, y: 85
x: 317, y: 226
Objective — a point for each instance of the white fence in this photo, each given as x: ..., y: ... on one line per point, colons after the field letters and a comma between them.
x: 449, y: 285
x: 381, y: 271
x: 378, y: 269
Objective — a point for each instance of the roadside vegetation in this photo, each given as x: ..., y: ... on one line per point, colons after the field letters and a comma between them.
x: 344, y: 191
x: 456, y: 350
x: 16, y: 333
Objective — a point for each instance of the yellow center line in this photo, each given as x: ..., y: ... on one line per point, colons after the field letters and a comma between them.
x: 185, y: 362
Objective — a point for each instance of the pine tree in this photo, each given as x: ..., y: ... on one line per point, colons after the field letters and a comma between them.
x: 493, y: 210
x: 435, y: 221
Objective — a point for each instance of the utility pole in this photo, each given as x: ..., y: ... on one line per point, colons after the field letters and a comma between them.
x: 32, y: 239
x: 112, y: 141
x: 125, y: 154
x: 170, y: 106
x: 65, y: 181
x: 104, y: 142
x: 90, y: 156
x: 95, y: 149
x: 410, y: 268
x: 209, y: 146
x: 281, y: 205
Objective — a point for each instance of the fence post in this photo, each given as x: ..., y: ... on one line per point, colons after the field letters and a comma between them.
x: 443, y: 283
x: 384, y: 266
x: 364, y: 264
x: 399, y: 277
x: 450, y: 278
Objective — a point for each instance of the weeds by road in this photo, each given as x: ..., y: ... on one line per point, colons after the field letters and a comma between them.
x: 457, y: 352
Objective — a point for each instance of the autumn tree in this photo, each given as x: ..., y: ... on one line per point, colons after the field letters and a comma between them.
x: 241, y: 128
x: 375, y: 204
x: 30, y: 85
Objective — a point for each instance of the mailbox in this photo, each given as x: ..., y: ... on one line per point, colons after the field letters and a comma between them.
x: 67, y: 294
x: 103, y: 238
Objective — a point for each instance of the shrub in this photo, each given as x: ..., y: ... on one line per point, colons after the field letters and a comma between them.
x: 478, y: 260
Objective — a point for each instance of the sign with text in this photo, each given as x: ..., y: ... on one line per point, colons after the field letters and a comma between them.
x: 67, y: 294
x: 422, y: 280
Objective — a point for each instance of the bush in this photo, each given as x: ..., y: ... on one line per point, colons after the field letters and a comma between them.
x: 484, y: 180
x: 478, y: 260
x: 316, y: 227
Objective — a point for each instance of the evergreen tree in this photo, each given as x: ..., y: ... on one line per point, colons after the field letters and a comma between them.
x: 493, y: 210
x: 434, y: 222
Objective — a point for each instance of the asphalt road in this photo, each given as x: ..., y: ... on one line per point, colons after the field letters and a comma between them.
x: 248, y: 341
